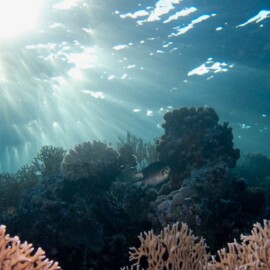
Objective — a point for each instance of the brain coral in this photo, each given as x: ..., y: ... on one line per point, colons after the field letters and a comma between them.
x: 90, y: 160
x: 193, y: 138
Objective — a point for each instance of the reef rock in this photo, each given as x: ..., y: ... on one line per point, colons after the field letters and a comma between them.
x: 193, y: 138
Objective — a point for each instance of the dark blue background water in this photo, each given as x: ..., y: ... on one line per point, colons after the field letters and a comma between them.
x: 95, y: 70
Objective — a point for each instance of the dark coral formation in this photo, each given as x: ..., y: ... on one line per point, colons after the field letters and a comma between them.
x: 255, y: 169
x: 92, y: 160
x: 48, y: 160
x: 192, y: 202
x: 67, y: 220
x: 10, y: 192
x: 213, y: 203
x: 85, y: 210
x: 76, y: 220
x: 134, y: 151
x: 194, y: 138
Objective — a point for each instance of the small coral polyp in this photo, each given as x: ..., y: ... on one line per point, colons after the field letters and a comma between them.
x: 193, y: 137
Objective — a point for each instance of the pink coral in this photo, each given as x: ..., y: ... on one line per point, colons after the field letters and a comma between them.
x: 15, y: 255
x: 174, y: 248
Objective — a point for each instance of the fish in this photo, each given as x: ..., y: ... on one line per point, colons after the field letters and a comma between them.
x: 153, y: 174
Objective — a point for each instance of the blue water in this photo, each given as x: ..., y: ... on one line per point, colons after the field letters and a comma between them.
x: 97, y: 69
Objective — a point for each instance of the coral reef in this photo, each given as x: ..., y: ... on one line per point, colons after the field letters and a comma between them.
x: 91, y: 160
x: 192, y: 200
x: 254, y: 170
x: 48, y: 161
x: 15, y: 255
x: 137, y: 203
x: 12, y: 187
x: 136, y: 151
x: 57, y: 206
x: 213, y: 203
x: 28, y: 176
x: 204, y: 194
x: 174, y: 248
x: 135, y: 155
x: 67, y: 217
x: 9, y: 195
x: 194, y: 138
x: 252, y: 253
x: 85, y: 211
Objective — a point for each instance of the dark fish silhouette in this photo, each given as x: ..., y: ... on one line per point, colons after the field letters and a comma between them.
x: 154, y: 174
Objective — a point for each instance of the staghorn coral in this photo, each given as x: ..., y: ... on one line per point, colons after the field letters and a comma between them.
x: 91, y: 160
x: 134, y: 150
x: 252, y: 253
x: 193, y: 138
x: 175, y: 248
x: 27, y: 176
x: 48, y: 161
x: 15, y: 255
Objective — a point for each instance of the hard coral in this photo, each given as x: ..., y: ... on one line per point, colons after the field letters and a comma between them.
x: 135, y: 151
x: 48, y: 161
x: 192, y: 202
x: 15, y: 255
x: 178, y: 249
x: 90, y: 160
x: 174, y: 248
x: 193, y: 138
x: 253, y: 252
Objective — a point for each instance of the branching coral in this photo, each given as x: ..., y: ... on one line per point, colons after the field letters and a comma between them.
x: 15, y: 255
x: 253, y: 252
x: 178, y: 249
x: 133, y: 147
x: 175, y: 248
x: 48, y: 161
